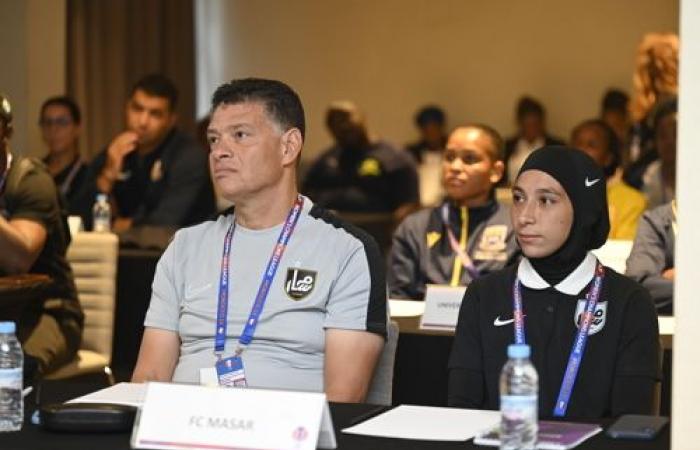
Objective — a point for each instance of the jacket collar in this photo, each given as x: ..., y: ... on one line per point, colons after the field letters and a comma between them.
x: 571, y: 285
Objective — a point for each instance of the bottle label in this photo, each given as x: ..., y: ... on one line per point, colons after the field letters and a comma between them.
x: 519, y: 407
x: 11, y: 378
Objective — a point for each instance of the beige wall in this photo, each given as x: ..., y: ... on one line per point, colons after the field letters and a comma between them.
x: 32, y: 45
x: 474, y: 57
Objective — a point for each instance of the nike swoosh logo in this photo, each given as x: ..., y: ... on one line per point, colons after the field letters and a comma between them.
x: 497, y: 322
x: 590, y: 183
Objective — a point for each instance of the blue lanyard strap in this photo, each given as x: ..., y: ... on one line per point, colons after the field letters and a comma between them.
x: 263, y: 290
x: 579, y: 345
x: 460, y: 252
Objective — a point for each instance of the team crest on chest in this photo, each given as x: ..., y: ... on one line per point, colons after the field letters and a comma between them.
x: 299, y: 283
x: 599, y: 315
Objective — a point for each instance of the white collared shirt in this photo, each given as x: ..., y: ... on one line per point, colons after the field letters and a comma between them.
x: 571, y: 285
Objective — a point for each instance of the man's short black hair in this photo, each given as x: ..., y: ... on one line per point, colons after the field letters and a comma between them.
x: 615, y: 100
x: 281, y: 102
x: 430, y: 114
x: 613, y: 142
x: 64, y: 101
x: 157, y: 85
x: 528, y: 105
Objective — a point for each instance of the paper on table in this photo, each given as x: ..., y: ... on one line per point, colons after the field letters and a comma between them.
x: 427, y: 423
x: 130, y: 394
x: 406, y: 308
x: 667, y: 325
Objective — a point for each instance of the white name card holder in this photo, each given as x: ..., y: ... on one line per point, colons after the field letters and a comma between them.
x: 179, y: 416
x: 441, y: 307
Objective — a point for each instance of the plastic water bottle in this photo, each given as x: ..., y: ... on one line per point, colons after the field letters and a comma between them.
x: 101, y: 215
x: 518, y: 389
x: 11, y: 363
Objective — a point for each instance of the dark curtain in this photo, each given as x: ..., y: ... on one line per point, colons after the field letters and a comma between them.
x: 111, y: 44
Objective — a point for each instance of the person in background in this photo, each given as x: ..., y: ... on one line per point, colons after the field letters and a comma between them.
x: 578, y: 316
x: 651, y: 261
x: 469, y: 234
x: 659, y: 179
x: 427, y: 151
x: 532, y: 134
x: 655, y: 80
x: 431, y: 122
x: 33, y: 239
x: 316, y: 318
x: 625, y: 204
x: 359, y: 174
x: 154, y: 173
x: 60, y: 122
x: 614, y: 111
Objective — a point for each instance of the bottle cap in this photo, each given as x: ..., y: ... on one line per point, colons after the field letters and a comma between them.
x: 101, y: 197
x: 518, y: 351
x: 7, y: 327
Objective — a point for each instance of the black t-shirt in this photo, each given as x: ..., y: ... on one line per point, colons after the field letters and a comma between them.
x: 619, y: 367
x: 69, y: 180
x: 378, y: 179
x: 30, y: 194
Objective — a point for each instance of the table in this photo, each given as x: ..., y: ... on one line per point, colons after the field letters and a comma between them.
x: 32, y: 437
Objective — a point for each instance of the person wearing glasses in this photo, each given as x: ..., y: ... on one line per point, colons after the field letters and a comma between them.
x: 469, y: 234
x: 60, y: 122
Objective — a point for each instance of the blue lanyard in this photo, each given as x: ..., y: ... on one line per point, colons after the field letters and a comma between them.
x: 8, y: 164
x: 579, y: 345
x: 272, y: 265
x: 460, y: 253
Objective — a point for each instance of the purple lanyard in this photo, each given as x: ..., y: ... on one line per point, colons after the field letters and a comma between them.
x: 579, y: 345
x: 272, y: 265
x: 460, y: 253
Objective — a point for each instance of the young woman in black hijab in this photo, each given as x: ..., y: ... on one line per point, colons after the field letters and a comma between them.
x: 558, y: 290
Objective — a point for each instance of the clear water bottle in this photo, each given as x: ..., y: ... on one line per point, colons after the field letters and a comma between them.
x: 101, y: 215
x: 518, y: 388
x: 11, y: 363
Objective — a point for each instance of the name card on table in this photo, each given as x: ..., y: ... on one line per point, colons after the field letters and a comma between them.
x: 441, y: 307
x: 178, y: 416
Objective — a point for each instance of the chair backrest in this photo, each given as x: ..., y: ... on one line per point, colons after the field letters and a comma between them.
x: 383, y: 380
x: 93, y: 258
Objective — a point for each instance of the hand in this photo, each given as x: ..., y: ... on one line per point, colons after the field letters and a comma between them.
x: 121, y: 224
x: 121, y: 146
x: 669, y: 274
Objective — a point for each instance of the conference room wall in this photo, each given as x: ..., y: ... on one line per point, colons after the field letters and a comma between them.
x: 32, y: 63
x: 473, y: 57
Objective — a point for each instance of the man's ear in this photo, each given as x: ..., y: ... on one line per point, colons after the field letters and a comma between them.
x: 497, y: 170
x: 292, y: 143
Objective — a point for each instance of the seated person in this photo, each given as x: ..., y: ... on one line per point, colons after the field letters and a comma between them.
x: 59, y: 120
x: 615, y: 112
x: 659, y: 179
x: 359, y: 175
x: 427, y: 152
x: 651, y: 261
x: 153, y: 173
x: 321, y: 309
x: 469, y: 235
x: 559, y: 294
x: 530, y: 118
x: 33, y: 238
x: 625, y: 204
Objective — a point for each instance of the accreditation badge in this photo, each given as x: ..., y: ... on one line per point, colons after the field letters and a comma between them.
x: 493, y: 239
x: 599, y: 315
x: 230, y: 372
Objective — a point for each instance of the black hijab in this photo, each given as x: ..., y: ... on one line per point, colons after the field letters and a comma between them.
x: 584, y: 183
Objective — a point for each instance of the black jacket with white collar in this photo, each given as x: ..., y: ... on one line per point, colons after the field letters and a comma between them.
x: 621, y: 360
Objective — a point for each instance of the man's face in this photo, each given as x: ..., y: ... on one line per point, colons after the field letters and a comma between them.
x: 541, y: 214
x: 468, y: 169
x: 433, y: 133
x: 665, y: 138
x: 246, y: 149
x: 348, y: 129
x: 59, y: 131
x: 150, y: 117
x: 532, y: 126
x: 592, y: 141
